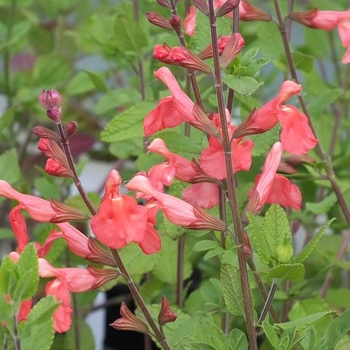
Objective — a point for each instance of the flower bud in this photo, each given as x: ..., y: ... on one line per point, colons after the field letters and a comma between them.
x: 50, y: 98
x: 71, y: 128
x: 175, y: 22
x: 55, y: 168
x: 129, y: 322
x: 66, y: 213
x: 247, y: 247
x: 98, y: 255
x: 164, y: 3
x: 54, y: 114
x: 45, y: 133
x: 233, y: 47
x: 158, y: 20
x: 249, y: 12
x: 103, y: 276
x: 165, y: 314
x: 202, y: 6
x: 227, y: 7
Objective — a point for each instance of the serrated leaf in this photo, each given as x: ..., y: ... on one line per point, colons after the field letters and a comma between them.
x: 128, y: 124
x: 166, y: 268
x: 9, y: 170
x: 302, y: 61
x: 204, y: 245
x: 130, y: 35
x: 37, y: 332
x: 243, y: 85
x: 8, y: 276
x: 292, y: 272
x: 259, y: 242
x: 7, y: 311
x: 307, y: 250
x: 263, y: 142
x: 137, y: 262
x: 231, y: 288
x: 276, y: 231
x: 304, y: 322
x: 337, y: 329
x: 28, y: 270
x: 97, y: 81
x: 238, y: 340
x: 179, y: 144
x: 6, y: 118
x: 317, y: 106
x: 271, y: 334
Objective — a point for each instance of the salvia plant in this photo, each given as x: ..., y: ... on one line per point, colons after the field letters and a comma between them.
x: 225, y: 212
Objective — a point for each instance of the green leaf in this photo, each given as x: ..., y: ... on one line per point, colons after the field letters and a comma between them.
x: 9, y: 170
x: 317, y: 106
x: 263, y: 142
x: 179, y: 144
x: 302, y: 61
x: 97, y: 81
x: 38, y: 331
x: 270, y: 42
x: 204, y: 245
x: 337, y: 329
x: 304, y: 322
x: 47, y: 187
x: 293, y: 272
x: 80, y: 84
x: 28, y: 270
x: 323, y: 206
x: 238, y: 340
x: 214, y: 252
x: 256, y: 65
x: 307, y: 250
x: 166, y: 268
x: 19, y: 31
x: 231, y: 288
x: 7, y: 118
x: 270, y: 333
x: 128, y: 124
x: 211, y: 292
x: 51, y: 70
x: 137, y: 262
x: 6, y: 233
x: 130, y: 35
x: 8, y: 276
x: 276, y: 232
x: 243, y: 85
x: 7, y: 311
x: 67, y: 340
x: 259, y: 242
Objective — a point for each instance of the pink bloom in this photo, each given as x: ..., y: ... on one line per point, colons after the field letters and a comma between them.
x: 294, y: 123
x: 190, y: 21
x: 177, y: 165
x: 212, y: 159
x: 272, y: 188
x: 204, y: 194
x: 120, y: 220
x: 175, y: 210
x: 327, y: 20
x: 170, y: 111
x: 39, y: 209
x: 56, y: 168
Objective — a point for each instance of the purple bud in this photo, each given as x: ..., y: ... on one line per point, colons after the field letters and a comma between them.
x: 71, y: 128
x: 50, y: 98
x: 54, y: 114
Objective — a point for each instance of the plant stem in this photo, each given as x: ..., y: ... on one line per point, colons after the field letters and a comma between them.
x: 15, y: 332
x: 319, y: 149
x: 180, y: 270
x: 268, y: 305
x: 231, y: 184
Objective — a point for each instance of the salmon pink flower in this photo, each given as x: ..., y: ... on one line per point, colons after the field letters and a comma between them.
x: 294, y: 123
x: 212, y: 159
x: 39, y: 209
x: 120, y: 220
x: 273, y: 188
x: 190, y: 21
x: 170, y: 111
x: 204, y: 194
x: 175, y: 210
x: 327, y: 20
